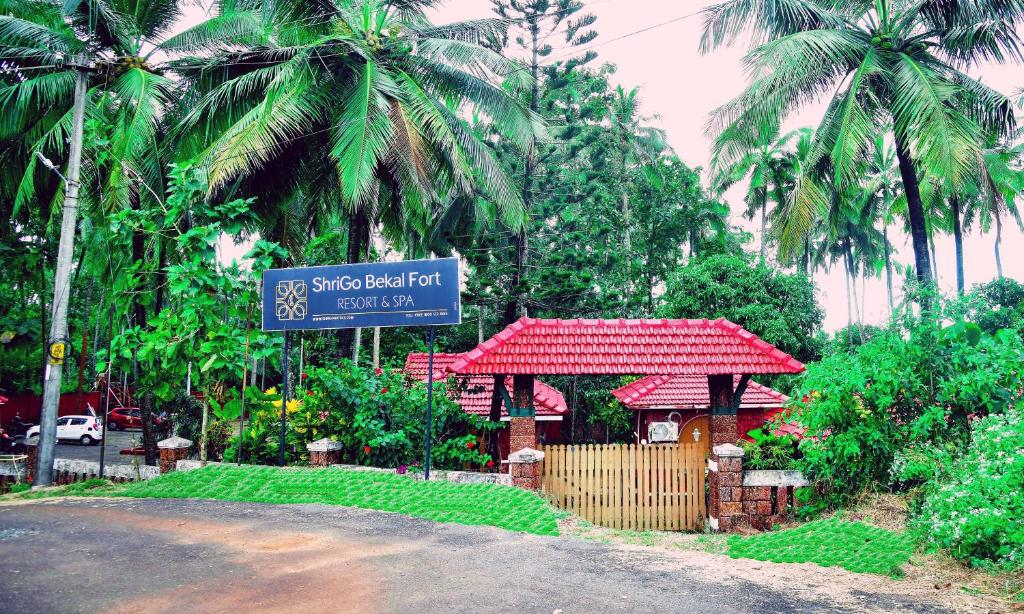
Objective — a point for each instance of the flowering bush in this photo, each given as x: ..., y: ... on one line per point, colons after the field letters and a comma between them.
x: 378, y: 416
x: 978, y: 513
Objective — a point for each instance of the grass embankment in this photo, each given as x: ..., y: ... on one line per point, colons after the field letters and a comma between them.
x: 854, y: 546
x: 471, y: 504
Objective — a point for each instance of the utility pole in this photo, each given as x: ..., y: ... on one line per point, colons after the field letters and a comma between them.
x: 57, y: 347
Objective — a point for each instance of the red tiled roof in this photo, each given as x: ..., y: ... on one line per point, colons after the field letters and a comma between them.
x: 689, y: 392
x: 477, y: 389
x: 625, y: 347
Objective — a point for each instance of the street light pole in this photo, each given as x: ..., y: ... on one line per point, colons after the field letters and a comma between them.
x: 57, y: 346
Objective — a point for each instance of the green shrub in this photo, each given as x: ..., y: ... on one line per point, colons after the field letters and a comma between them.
x: 769, y: 451
x: 875, y: 414
x: 978, y: 512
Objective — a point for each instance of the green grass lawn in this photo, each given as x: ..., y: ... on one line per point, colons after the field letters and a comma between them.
x: 472, y: 504
x: 854, y: 546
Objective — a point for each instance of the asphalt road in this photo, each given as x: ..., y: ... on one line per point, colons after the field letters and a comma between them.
x: 82, y: 555
x: 116, y: 441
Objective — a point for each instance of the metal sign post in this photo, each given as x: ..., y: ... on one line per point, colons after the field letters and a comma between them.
x: 284, y: 400
x: 408, y: 293
x: 430, y: 401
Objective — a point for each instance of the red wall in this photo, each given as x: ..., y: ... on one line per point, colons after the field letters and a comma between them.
x: 27, y: 406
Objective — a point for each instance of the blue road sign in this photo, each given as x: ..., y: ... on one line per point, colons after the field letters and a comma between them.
x: 410, y: 293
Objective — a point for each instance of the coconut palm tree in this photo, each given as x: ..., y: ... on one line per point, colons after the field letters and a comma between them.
x: 352, y: 103
x: 1000, y: 186
x: 758, y: 153
x: 895, y: 63
x: 881, y: 191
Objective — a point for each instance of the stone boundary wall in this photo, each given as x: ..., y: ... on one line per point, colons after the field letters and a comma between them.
x: 68, y: 471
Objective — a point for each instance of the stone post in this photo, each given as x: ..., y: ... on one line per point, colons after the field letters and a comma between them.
x: 171, y: 451
x: 725, y: 488
x: 324, y: 452
x: 522, y: 417
x: 524, y: 466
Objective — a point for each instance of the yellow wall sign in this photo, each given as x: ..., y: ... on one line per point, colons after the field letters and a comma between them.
x: 57, y: 352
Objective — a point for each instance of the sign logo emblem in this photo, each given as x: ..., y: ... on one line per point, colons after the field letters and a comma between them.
x: 291, y: 301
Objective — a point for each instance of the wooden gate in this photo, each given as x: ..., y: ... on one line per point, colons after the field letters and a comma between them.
x: 636, y: 487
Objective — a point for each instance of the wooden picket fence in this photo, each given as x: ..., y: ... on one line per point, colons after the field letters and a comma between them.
x: 637, y: 487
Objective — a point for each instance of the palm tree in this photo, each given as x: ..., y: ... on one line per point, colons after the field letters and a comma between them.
x: 881, y: 189
x: 757, y: 152
x: 636, y: 143
x: 890, y: 62
x: 127, y: 96
x: 370, y: 87
x: 1001, y: 184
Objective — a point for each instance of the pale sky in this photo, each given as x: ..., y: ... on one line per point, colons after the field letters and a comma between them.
x: 683, y: 87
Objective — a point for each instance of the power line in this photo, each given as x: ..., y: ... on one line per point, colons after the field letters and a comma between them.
x: 628, y: 35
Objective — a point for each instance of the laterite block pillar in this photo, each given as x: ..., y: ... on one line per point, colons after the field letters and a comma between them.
x: 725, y: 489
x: 523, y: 427
x: 171, y: 451
x: 524, y: 458
x: 723, y: 415
x: 324, y: 452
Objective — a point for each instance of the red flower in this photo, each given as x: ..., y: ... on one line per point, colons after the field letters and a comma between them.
x: 366, y: 449
x: 490, y: 464
x: 806, y: 399
x: 378, y: 371
x: 305, y: 376
x: 469, y: 445
x: 384, y: 390
x: 309, y: 392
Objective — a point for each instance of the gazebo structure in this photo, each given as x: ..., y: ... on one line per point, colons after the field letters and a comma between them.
x: 716, y: 349
x: 475, y: 394
x: 660, y: 398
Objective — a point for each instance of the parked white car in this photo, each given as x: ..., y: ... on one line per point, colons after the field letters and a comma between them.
x: 86, y: 430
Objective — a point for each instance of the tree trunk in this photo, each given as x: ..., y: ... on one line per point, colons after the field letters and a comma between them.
x: 849, y: 304
x: 84, y: 353
x: 204, y: 425
x: 958, y: 238
x: 999, y: 239
x: 626, y: 218
x: 480, y: 324
x: 935, y: 260
x: 141, y: 319
x: 805, y: 260
x: 915, y: 213
x: 888, y: 265
x: 764, y: 219
x: 357, y: 229
x: 852, y: 272
x: 495, y: 417
x: 376, y: 347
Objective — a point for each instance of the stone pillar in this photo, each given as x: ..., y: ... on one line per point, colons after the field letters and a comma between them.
x: 171, y: 451
x: 725, y: 489
x: 324, y: 452
x: 523, y: 427
x: 524, y: 466
x: 723, y: 416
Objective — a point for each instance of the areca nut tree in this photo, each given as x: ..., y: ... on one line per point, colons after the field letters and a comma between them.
x: 898, y: 63
x: 353, y: 106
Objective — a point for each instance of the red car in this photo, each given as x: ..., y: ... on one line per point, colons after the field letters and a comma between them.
x: 129, y: 418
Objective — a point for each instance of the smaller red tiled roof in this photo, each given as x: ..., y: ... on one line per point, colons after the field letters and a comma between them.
x: 690, y: 392
x: 477, y: 389
x: 624, y: 347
